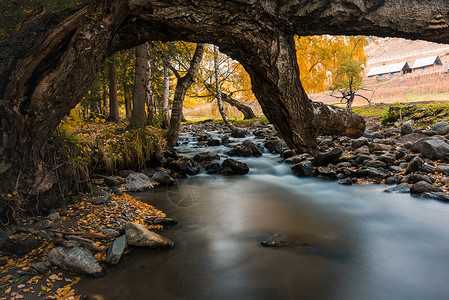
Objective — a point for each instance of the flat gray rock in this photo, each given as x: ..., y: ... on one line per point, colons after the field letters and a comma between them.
x: 115, y: 251
x: 75, y: 259
x: 137, y: 182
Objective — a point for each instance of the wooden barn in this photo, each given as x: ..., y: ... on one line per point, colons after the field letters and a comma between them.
x: 388, y: 71
x: 427, y: 64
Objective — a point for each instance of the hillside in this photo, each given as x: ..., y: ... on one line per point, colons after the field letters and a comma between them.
x: 409, y: 88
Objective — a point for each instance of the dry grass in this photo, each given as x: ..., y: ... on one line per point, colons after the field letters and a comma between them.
x: 408, y: 88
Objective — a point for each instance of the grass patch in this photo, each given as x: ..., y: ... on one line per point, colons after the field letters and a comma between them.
x: 377, y: 109
x: 424, y: 114
x: 98, y: 146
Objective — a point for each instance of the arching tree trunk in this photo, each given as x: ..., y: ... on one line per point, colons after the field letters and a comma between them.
x: 139, y: 115
x: 247, y: 112
x: 48, y: 65
x: 113, y: 99
x: 218, y: 90
x: 166, y: 98
x: 182, y: 86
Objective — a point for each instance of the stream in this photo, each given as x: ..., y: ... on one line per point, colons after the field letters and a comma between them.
x: 344, y: 242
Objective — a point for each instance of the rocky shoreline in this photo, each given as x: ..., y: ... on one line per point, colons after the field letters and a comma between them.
x: 411, y: 159
x: 39, y: 255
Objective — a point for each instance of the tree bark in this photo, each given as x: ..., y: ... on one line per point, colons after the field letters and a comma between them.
x: 218, y: 91
x: 127, y: 96
x: 151, y: 103
x: 44, y: 84
x: 139, y: 115
x: 166, y: 98
x: 113, y: 99
x: 49, y: 63
x: 182, y: 85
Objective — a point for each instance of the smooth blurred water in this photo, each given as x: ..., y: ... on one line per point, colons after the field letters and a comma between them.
x: 362, y: 243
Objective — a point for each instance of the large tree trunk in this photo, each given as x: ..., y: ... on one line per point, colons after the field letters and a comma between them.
x: 218, y: 90
x: 113, y: 99
x: 139, y: 115
x: 166, y: 98
x: 182, y: 85
x: 48, y: 65
x: 48, y: 76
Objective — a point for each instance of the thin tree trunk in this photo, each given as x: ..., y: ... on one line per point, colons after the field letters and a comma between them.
x: 182, y: 86
x: 350, y: 101
x: 139, y: 116
x: 151, y: 103
x: 218, y: 89
x: 127, y: 96
x: 166, y: 98
x: 113, y: 99
x: 247, y: 111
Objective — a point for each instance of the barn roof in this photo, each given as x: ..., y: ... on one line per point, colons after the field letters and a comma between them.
x: 393, y: 68
x: 427, y: 61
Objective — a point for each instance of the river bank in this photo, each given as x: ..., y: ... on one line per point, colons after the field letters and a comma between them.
x: 390, y: 156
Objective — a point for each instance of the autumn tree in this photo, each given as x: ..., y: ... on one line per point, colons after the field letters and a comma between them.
x: 139, y: 115
x: 182, y: 85
x: 113, y: 98
x: 234, y: 83
x: 347, y: 79
x: 218, y: 90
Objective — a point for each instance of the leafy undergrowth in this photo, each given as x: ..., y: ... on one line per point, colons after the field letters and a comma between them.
x: 57, y: 283
x: 105, y: 147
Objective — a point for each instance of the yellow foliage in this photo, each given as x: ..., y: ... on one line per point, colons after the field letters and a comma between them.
x: 319, y: 58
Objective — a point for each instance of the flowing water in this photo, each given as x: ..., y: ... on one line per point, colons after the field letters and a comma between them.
x: 345, y: 242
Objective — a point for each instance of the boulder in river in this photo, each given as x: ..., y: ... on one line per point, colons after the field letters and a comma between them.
x: 239, y: 132
x: 206, y: 156
x: 400, y: 188
x: 330, y: 157
x: 213, y: 142
x: 137, y: 182
x: 303, y: 169
x: 115, y: 251
x: 254, y: 149
x: 424, y: 187
x: 162, y: 177
x: 184, y: 166
x: 211, y: 167
x: 232, y: 167
x: 240, y: 150
x: 275, y: 145
x: 138, y: 235
x: 75, y: 259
